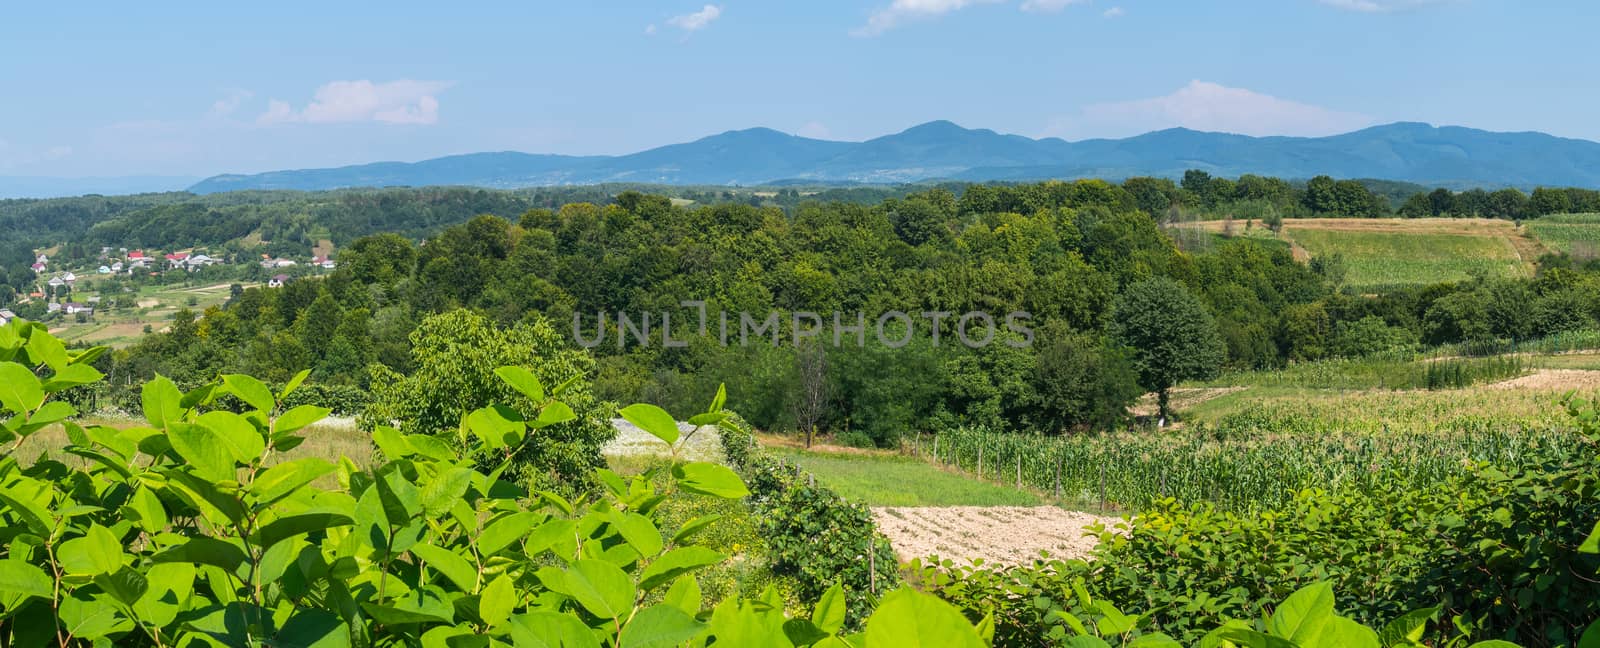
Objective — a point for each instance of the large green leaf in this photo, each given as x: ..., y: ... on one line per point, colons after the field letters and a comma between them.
x: 600, y: 587
x: 504, y: 531
x: 126, y: 585
x: 652, y: 419
x: 37, y: 518
x: 553, y: 413
x: 46, y: 349
x: 72, y: 376
x: 659, y: 626
x: 499, y: 598
x: 20, y: 390
x: 1300, y: 617
x: 1409, y: 627
x: 1340, y: 632
x: 222, y: 507
x: 160, y: 398
x: 17, y: 577
x: 96, y: 552
x: 288, y: 527
x: 445, y: 490
x: 91, y: 618
x: 684, y: 594
x: 828, y: 615
x: 1156, y: 640
x: 205, y: 551
x: 710, y: 479
x: 523, y: 381
x: 463, y: 573
x: 908, y: 618
x: 251, y: 391
x: 546, y: 629
x: 312, y: 629
x: 497, y: 425
x: 677, y: 562
x: 639, y: 531
x: 299, y: 417
x: 284, y: 479
x: 237, y: 434
x: 206, y: 452
x: 167, y: 590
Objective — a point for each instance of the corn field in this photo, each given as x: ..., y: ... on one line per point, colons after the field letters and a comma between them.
x: 1245, y: 463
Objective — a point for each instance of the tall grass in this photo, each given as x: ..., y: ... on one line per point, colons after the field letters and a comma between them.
x: 1398, y: 370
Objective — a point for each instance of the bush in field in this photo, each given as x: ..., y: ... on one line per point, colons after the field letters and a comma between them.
x: 1369, y: 336
x: 1172, y: 336
x: 455, y: 356
x: 1081, y: 382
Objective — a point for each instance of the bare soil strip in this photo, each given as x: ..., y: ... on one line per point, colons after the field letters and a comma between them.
x: 1554, y: 379
x: 999, y: 535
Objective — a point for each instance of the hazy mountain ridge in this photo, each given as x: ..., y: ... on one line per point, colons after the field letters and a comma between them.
x: 1413, y: 152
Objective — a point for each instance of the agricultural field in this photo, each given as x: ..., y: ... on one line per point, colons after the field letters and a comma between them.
x: 1396, y: 252
x: 888, y: 479
x: 155, y: 306
x: 1574, y: 234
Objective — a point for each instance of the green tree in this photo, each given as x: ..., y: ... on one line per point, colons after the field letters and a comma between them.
x: 1079, y: 381
x: 1172, y: 336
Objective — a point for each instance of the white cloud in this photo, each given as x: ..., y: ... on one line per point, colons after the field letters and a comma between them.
x: 650, y: 30
x: 694, y: 21
x: 1379, y: 6
x: 226, y: 105
x: 901, y: 10
x: 394, y: 102
x: 1048, y: 6
x: 1207, y: 107
x: 1114, y: 12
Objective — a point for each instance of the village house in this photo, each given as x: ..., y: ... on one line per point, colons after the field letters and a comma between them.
x: 69, y: 277
x: 277, y: 281
x: 323, y: 262
x: 6, y: 316
x: 277, y: 263
x: 199, y: 261
x: 104, y: 270
x: 56, y: 282
x: 38, y: 268
x: 73, y: 308
x: 52, y: 307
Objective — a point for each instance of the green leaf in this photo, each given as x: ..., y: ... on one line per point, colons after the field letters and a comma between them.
x: 160, y: 398
x: 96, y: 552
x: 126, y: 585
x: 1156, y: 640
x: 719, y: 399
x: 546, y: 629
x: 288, y: 527
x: 710, y: 479
x: 639, y: 531
x: 1409, y: 627
x: 430, y: 447
x: 708, y: 418
x: 151, y: 512
x: 659, y: 626
x: 167, y: 590
x: 1591, y: 636
x: 1246, y: 638
x: 294, y: 383
x: 551, y: 414
x: 907, y: 618
x: 203, y: 450
x: 464, y: 574
x: 548, y: 534
x: 244, y: 443
x: 298, y: 418
x: 206, y: 495
x: 204, y: 551
x: 45, y: 348
x: 20, y: 390
x: 600, y: 587
x: 1300, y: 617
x: 675, y: 563
x: 1112, y: 621
x: 1340, y: 632
x: 652, y: 419
x: 497, y: 425
x: 523, y: 381
x: 251, y: 391
x: 504, y: 531
x: 23, y: 579
x: 91, y: 618
x: 1591, y: 545
x: 312, y: 629
x: 694, y: 526
x: 445, y: 490
x: 37, y: 518
x: 829, y: 613
x: 391, y: 443
x: 684, y: 594
x: 1085, y: 641
x: 498, y: 599
x: 1494, y: 643
x: 284, y: 479
x: 72, y: 376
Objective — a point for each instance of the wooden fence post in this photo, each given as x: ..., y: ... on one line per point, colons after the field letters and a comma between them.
x: 936, y: 449
x: 1019, y: 471
x: 980, y: 462
x: 1058, y: 477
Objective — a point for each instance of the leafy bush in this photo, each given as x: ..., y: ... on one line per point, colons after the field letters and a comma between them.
x: 191, y: 532
x: 1371, y: 335
x: 1500, y: 552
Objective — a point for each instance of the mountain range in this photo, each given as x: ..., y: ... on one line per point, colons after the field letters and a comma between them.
x: 1445, y: 156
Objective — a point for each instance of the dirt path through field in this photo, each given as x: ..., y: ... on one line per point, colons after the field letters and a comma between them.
x: 1004, y: 535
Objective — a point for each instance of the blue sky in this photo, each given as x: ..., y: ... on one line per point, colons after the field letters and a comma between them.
x: 189, y: 88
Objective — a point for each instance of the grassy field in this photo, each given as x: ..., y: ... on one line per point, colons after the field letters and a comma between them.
x: 1380, y: 258
x: 892, y: 480
x: 1575, y: 234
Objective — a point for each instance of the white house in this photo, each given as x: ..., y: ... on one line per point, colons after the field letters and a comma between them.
x: 199, y: 261
x: 56, y: 282
x: 276, y: 263
x: 104, y: 270
x: 53, y: 307
x: 277, y: 281
x: 42, y: 260
x: 69, y: 277
x: 73, y: 308
x: 116, y: 267
x: 6, y: 316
